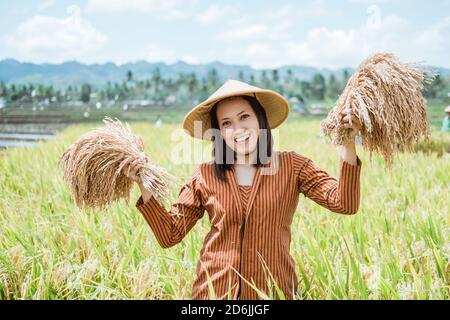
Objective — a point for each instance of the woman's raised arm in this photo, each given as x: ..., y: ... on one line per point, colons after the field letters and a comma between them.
x: 170, y: 227
x: 340, y: 196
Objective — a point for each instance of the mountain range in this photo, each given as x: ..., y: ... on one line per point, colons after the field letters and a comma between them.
x: 75, y: 73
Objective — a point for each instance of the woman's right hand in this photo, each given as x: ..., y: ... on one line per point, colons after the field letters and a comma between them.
x: 132, y: 169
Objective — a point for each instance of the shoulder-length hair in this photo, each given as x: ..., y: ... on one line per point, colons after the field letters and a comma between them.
x: 222, y: 152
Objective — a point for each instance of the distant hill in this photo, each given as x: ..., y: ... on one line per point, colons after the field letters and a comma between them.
x: 75, y: 73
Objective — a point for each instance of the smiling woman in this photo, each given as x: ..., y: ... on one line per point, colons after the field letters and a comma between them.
x: 246, y: 253
x: 242, y: 131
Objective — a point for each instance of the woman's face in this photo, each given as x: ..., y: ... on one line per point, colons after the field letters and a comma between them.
x: 238, y: 124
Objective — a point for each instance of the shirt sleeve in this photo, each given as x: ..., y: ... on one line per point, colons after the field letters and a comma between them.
x: 340, y: 196
x: 170, y: 227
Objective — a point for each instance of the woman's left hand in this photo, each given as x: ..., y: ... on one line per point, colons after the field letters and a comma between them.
x: 355, y: 125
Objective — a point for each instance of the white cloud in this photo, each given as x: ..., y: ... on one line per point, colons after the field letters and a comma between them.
x: 190, y: 59
x: 279, y: 24
x: 162, y: 9
x: 244, y: 33
x: 286, y: 15
x: 215, y: 13
x: 269, y: 45
x: 434, y: 42
x: 158, y: 53
x: 45, y: 4
x: 308, y: 33
x: 175, y: 14
x: 46, y: 38
x: 339, y: 48
x: 261, y: 51
x: 370, y: 2
x: 145, y: 6
x: 299, y: 11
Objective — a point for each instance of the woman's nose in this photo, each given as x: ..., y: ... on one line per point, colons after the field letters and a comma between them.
x: 237, y: 128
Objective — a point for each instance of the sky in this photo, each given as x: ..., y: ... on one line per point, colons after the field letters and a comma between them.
x: 262, y: 34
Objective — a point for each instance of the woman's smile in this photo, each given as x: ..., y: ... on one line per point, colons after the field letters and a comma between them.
x: 243, y: 139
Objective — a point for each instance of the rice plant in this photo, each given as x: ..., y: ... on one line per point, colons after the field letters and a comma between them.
x: 396, y: 247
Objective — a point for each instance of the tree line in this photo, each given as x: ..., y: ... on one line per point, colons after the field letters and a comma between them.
x: 189, y: 88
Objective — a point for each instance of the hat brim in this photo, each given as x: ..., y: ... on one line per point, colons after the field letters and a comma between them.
x: 198, y: 121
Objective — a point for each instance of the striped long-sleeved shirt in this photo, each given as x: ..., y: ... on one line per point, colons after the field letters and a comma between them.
x: 248, y: 247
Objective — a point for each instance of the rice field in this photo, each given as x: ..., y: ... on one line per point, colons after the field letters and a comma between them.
x: 396, y: 247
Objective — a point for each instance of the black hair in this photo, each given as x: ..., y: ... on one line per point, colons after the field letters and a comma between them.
x: 222, y: 152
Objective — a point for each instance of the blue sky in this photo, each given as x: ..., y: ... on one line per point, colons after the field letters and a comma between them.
x: 317, y: 33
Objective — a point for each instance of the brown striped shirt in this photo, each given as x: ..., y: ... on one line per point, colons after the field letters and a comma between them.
x: 245, y: 194
x: 249, y: 241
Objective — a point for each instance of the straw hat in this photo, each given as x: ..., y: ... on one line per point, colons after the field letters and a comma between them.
x: 275, y: 105
x: 447, y: 109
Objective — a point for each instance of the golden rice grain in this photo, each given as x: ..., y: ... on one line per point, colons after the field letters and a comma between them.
x: 94, y: 167
x: 386, y: 96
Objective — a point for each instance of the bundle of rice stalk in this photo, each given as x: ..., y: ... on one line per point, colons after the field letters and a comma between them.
x: 94, y: 167
x: 386, y: 97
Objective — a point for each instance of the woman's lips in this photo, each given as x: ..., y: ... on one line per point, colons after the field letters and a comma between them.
x: 245, y: 141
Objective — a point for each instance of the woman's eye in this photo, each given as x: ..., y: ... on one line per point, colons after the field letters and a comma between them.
x: 245, y: 116
x: 225, y: 123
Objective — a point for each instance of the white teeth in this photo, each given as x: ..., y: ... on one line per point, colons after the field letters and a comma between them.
x: 241, y: 138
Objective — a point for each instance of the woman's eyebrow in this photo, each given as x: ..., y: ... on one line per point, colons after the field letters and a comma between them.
x: 236, y: 115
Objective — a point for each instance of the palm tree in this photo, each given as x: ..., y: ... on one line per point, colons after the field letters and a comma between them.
x: 241, y: 76
x: 129, y: 76
x: 85, y: 92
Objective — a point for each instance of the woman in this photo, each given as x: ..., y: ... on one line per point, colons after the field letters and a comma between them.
x: 250, y: 193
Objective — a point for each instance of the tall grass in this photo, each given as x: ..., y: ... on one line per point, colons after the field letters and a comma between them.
x: 396, y: 247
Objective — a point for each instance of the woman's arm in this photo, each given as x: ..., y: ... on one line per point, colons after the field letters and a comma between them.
x: 146, y: 194
x: 170, y: 227
x: 338, y: 195
x: 348, y: 153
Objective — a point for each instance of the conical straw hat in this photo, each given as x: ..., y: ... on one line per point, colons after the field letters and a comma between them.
x: 275, y: 105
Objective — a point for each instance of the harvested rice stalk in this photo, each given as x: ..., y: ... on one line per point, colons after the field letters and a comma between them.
x: 94, y: 167
x: 386, y: 96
